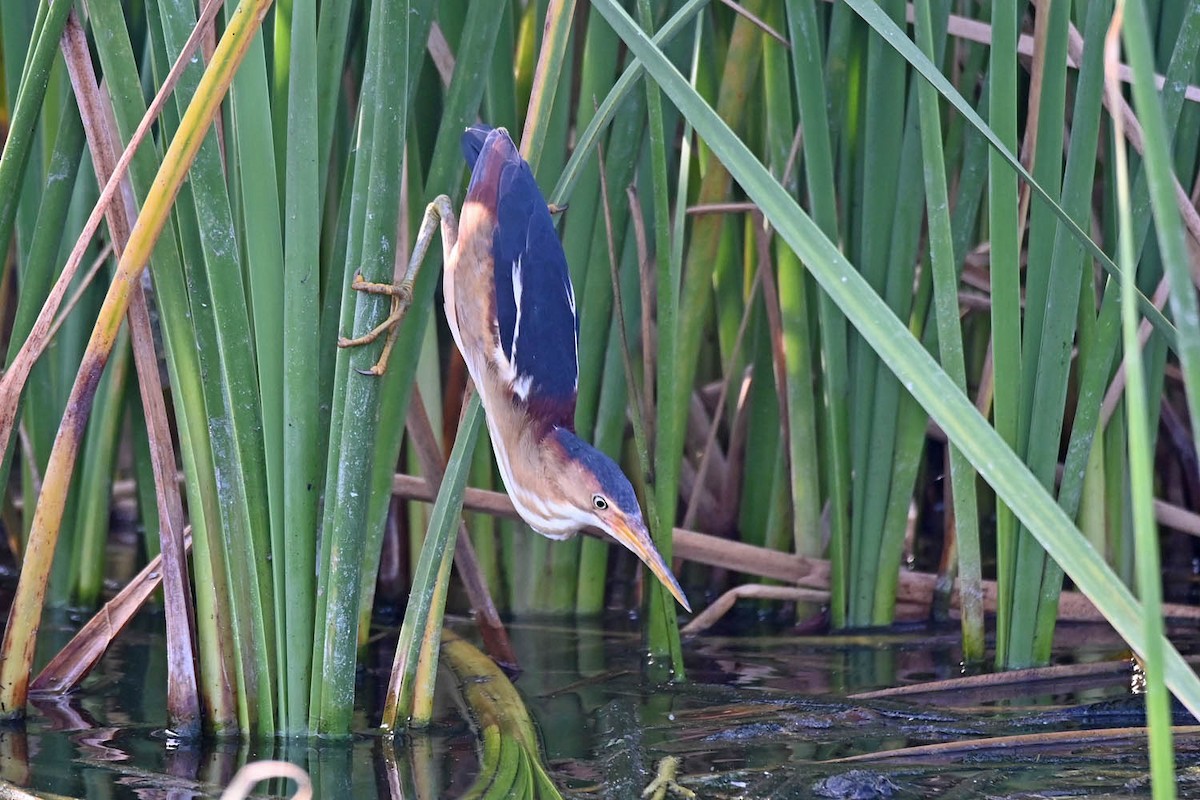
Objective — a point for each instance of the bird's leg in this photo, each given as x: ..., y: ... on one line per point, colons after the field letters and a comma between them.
x: 555, y: 208
x: 438, y: 212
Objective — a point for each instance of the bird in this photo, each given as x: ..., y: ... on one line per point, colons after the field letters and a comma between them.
x: 511, y: 310
x: 510, y: 307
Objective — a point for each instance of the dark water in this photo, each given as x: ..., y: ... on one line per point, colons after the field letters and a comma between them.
x: 763, y: 715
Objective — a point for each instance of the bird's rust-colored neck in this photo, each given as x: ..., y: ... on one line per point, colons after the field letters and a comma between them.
x: 529, y: 457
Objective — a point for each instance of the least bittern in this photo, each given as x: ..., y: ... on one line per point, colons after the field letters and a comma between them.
x: 511, y: 309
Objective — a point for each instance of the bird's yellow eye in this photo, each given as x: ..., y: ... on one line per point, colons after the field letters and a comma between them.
x: 599, y: 503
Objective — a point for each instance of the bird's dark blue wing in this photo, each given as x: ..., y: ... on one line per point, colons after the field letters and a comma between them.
x: 535, y: 303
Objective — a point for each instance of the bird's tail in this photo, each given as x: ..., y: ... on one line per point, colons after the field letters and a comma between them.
x: 472, y: 143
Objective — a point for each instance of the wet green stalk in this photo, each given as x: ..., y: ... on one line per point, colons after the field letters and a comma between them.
x: 945, y: 281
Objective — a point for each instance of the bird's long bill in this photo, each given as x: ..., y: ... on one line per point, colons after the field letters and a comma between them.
x: 637, y: 540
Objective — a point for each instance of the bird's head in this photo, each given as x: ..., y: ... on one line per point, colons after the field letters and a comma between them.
x: 600, y: 496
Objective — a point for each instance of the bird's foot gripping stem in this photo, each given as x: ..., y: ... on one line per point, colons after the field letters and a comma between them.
x: 401, y: 292
x: 401, y: 295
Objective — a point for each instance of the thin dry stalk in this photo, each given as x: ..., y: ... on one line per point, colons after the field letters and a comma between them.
x: 1008, y: 744
x: 750, y: 591
x: 1177, y: 517
x: 1037, y: 73
x: 1116, y: 389
x: 646, y: 273
x: 766, y: 274
x: 732, y: 207
x: 793, y: 157
x: 73, y: 663
x: 1018, y: 677
x: 35, y: 476
x: 183, y: 700
x: 987, y: 383
x: 736, y: 451
x: 758, y: 22
x: 440, y: 53
x: 699, y: 426
x: 711, y: 451
x: 635, y: 396
x: 84, y: 283
x: 969, y: 302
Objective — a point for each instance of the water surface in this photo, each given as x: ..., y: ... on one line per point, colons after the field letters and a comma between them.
x: 764, y: 714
